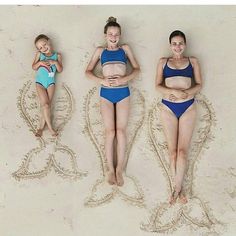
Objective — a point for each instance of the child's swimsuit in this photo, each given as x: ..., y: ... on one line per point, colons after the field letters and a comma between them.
x: 46, y: 76
x: 178, y: 108
x: 114, y: 94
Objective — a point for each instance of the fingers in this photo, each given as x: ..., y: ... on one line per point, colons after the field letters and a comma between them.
x: 45, y: 63
x: 184, y: 95
x: 113, y: 82
x: 172, y: 97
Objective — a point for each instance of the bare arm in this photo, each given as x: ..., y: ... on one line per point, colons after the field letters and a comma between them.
x: 197, y: 76
x: 134, y: 63
x: 94, y: 60
x: 159, y: 78
x: 36, y: 63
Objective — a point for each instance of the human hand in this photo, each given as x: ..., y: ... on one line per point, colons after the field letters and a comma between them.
x: 116, y: 80
x: 51, y: 62
x: 184, y: 95
x: 172, y: 97
x: 106, y: 81
x: 45, y: 63
x: 177, y: 94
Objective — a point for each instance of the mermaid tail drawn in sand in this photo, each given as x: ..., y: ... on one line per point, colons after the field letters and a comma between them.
x: 165, y: 218
x: 50, y: 153
x: 101, y: 191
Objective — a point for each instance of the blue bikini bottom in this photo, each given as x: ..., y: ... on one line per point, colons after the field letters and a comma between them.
x: 178, y: 108
x: 114, y: 95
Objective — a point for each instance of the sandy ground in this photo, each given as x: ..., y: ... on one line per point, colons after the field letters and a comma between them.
x: 56, y: 187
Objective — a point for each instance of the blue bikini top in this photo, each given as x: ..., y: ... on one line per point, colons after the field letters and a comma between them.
x: 186, y: 72
x: 109, y: 56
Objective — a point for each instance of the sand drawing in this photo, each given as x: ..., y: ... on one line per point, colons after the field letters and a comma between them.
x: 50, y: 154
x: 102, y: 192
x: 165, y: 218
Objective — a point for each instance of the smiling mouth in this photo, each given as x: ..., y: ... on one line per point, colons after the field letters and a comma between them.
x: 46, y: 50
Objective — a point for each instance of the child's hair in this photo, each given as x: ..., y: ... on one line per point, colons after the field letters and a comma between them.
x: 41, y: 36
x: 111, y: 22
x: 177, y: 33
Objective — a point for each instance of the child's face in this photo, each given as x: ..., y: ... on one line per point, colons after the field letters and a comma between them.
x: 43, y: 46
x: 113, y: 35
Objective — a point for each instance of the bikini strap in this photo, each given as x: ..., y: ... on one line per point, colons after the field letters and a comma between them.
x: 190, y: 61
x: 102, y: 52
x: 166, y: 63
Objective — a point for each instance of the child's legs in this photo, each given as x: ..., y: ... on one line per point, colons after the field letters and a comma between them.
x: 45, y: 102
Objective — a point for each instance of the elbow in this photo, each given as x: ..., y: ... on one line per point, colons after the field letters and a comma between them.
x: 199, y: 87
x: 138, y: 70
x: 87, y: 73
x: 60, y: 70
x: 34, y: 67
x: 157, y: 87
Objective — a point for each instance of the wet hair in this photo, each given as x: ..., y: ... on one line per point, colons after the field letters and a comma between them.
x: 177, y: 33
x: 111, y: 22
x: 41, y: 36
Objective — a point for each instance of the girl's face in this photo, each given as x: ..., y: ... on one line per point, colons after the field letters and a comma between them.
x: 43, y: 46
x: 112, y: 36
x: 177, y: 45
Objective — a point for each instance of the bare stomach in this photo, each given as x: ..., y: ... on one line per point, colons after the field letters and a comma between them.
x: 114, y: 70
x: 178, y: 83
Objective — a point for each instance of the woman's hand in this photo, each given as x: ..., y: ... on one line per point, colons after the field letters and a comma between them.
x: 177, y: 94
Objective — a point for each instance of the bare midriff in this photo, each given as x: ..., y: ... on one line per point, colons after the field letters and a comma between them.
x: 178, y: 83
x: 114, y: 70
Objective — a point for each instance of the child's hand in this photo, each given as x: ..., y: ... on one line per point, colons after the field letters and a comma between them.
x: 51, y: 62
x: 45, y: 63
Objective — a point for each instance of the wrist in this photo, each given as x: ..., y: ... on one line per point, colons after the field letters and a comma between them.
x: 124, y: 80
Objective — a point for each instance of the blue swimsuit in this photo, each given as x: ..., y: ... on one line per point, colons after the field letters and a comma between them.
x: 178, y: 108
x: 114, y: 94
x: 46, y: 76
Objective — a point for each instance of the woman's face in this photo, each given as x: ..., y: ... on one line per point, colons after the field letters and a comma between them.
x: 43, y: 46
x: 177, y: 45
x: 112, y: 36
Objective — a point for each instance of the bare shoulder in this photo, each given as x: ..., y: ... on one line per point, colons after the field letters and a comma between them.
x: 37, y: 54
x: 59, y: 54
x: 162, y: 60
x: 193, y: 60
x: 99, y: 49
x: 125, y: 47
